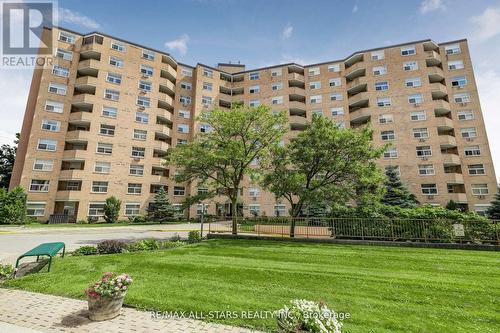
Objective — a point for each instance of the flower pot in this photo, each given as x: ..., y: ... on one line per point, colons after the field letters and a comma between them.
x: 105, y: 308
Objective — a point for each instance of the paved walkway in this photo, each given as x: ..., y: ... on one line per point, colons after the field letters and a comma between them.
x: 22, y: 311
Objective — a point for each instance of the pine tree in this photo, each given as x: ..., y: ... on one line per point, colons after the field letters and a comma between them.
x: 493, y: 211
x: 112, y: 209
x: 452, y: 205
x: 161, y: 209
x: 396, y: 192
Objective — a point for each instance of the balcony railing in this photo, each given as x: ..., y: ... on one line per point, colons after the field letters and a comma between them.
x: 432, y: 58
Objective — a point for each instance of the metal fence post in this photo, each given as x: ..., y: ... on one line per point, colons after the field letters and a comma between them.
x: 392, y: 230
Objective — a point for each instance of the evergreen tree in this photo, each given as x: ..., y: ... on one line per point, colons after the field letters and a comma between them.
x: 396, y: 192
x: 493, y: 211
x: 452, y: 205
x: 161, y: 209
x: 112, y: 209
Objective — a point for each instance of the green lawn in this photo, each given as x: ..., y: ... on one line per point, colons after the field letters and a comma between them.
x: 385, y: 289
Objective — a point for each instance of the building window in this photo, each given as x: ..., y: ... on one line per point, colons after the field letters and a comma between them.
x: 184, y: 114
x: 96, y: 209
x: 60, y: 71
x: 420, y: 133
x: 186, y: 85
x: 410, y: 66
x: 452, y: 49
x: 459, y: 81
x: 465, y: 115
x: 277, y: 100
x: 208, y: 72
x: 206, y: 100
x: 314, y: 71
x: 182, y: 141
x: 207, y: 86
x: 143, y: 101
x: 254, y: 76
x: 102, y: 167
x: 99, y: 187
x: 334, y: 68
x: 408, y: 50
x: 149, y: 55
x: 145, y: 85
x: 107, y: 130
x: 387, y: 135
x: 105, y: 148
x: 51, y: 125
x: 140, y: 134
x: 183, y: 128
x: 413, y: 82
x: 47, y: 145
x: 179, y: 190
x: 314, y: 85
x: 136, y: 170
x: 383, y: 101
x: 280, y: 210
x: 426, y: 169
x: 146, y: 70
x: 64, y: 54
x: 117, y: 62
x: 205, y: 128
x: 254, y: 192
x: 134, y: 188
x: 472, y: 151
x: 476, y: 169
x: 415, y: 99
x: 335, y: 82
x: 138, y: 152
x: 254, y: 209
x: 254, y: 89
x: 418, y: 116
x: 254, y: 103
x: 336, y: 97
x: 381, y: 86
x: 276, y: 72
x: 132, y: 209
x: 377, y: 55
x: 461, y: 98
x: 385, y: 118
x: 337, y: 111
x: 455, y: 64
x: 59, y: 89
x: 52, y: 106
x: 142, y: 117
x: 424, y: 151
x: 482, y: 209
x: 379, y: 70
x: 114, y: 78
x: 109, y: 112
x: 316, y: 99
x: 479, y: 189
x: 39, y: 185
x: 277, y: 86
x: 429, y: 189
x: 113, y: 95
x: 187, y: 72
x: 391, y: 153
x: 469, y: 132
x: 118, y: 46
x: 43, y: 165
x: 185, y: 100
x: 35, y: 208
x: 66, y: 37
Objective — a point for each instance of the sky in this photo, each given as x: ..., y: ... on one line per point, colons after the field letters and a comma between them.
x: 263, y: 32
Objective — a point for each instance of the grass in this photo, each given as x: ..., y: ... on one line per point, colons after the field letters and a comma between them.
x: 384, y: 289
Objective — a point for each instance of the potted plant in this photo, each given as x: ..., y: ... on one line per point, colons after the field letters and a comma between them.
x: 106, y: 296
x: 307, y: 316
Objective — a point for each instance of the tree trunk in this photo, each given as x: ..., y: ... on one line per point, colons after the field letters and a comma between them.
x: 234, y: 214
x: 295, y: 213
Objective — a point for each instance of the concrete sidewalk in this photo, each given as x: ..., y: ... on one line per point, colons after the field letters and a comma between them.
x: 22, y: 311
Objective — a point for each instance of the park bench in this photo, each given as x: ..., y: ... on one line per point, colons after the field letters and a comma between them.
x: 45, y: 249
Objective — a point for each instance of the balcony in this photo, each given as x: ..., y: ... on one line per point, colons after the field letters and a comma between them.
x: 80, y: 117
x: 91, y: 50
x: 297, y: 123
x: 454, y: 178
x: 354, y: 59
x: 447, y: 141
x: 355, y: 71
x: 451, y: 159
x: 297, y: 94
x: 435, y: 74
x: 438, y: 90
x: 165, y: 101
x: 432, y: 58
x: 75, y: 154
x: 164, y: 115
x: 296, y: 77
x: 441, y: 107
x: 360, y: 116
x: 458, y: 197
x: 89, y: 67
x: 161, y: 146
x: 83, y: 101
x: 71, y: 174
x: 297, y: 108
x: 68, y: 196
x: 168, y: 72
x: 86, y: 85
x: 162, y: 130
x: 78, y: 136
x: 167, y: 87
x: 444, y: 123
x: 357, y: 85
x: 359, y: 100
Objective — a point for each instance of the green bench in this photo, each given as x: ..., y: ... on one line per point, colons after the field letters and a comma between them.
x: 45, y: 249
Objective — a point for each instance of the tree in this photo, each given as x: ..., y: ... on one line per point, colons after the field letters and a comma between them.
x: 221, y: 157
x: 112, y: 209
x: 493, y: 211
x: 396, y: 193
x: 162, y: 209
x: 12, y: 206
x: 323, y: 165
x: 7, y: 158
x: 452, y: 205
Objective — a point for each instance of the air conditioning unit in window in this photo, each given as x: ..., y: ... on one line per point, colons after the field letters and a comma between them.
x: 142, y: 108
x: 136, y: 158
x: 460, y: 87
x: 254, y: 198
x: 422, y: 139
x: 145, y: 76
x: 430, y: 197
x: 424, y: 158
x: 480, y: 196
x: 463, y: 103
x: 469, y: 139
x: 416, y: 104
x: 185, y: 104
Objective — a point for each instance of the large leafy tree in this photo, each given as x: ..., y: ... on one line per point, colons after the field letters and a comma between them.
x: 221, y: 157
x: 396, y: 193
x: 12, y: 206
x: 7, y: 158
x: 324, y: 165
x: 493, y: 211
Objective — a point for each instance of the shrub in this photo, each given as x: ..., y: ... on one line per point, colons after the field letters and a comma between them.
x: 82, y: 222
x: 12, y: 206
x: 92, y: 219
x: 112, y: 209
x: 194, y: 236
x: 6, y: 272
x: 308, y: 316
x: 110, y: 285
x: 110, y: 246
x: 175, y: 238
x: 173, y: 244
x: 137, y: 219
x: 144, y: 245
x: 86, y: 250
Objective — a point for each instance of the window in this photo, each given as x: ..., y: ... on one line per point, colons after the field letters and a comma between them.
x: 253, y: 192
x: 149, y: 55
x: 140, y: 134
x: 415, y: 99
x: 51, y: 125
x: 381, y: 85
x: 396, y: 169
x: 143, y: 101
x: 202, y: 190
x: 408, y: 50
x: 254, y: 209
x: 452, y: 49
x: 429, y: 189
x: 118, y: 46
x: 186, y: 85
x: 109, y: 112
x: 426, y: 169
x: 385, y: 119
x: 337, y: 111
x: 254, y: 76
x: 383, y: 101
x: 424, y: 151
x: 47, y: 145
x: 410, y: 66
x: 64, y: 54
x: 207, y: 86
x: 208, y: 72
x: 479, y: 189
x: 113, y: 95
x: 254, y: 102
x: 469, y: 132
x: 60, y: 71
x: 459, y: 81
x: 455, y: 64
x: 185, y: 100
x: 391, y: 153
x: 314, y: 85
x: 39, y: 185
x: 146, y: 70
x: 377, y: 55
x: 277, y: 86
x: 476, y: 169
x: 132, y: 209
x: 387, y: 135
x: 336, y: 97
x: 461, y: 98
x: 182, y: 141
x: 105, y: 148
x: 314, y: 71
x: 316, y: 99
x: 379, y: 70
x: 482, y: 209
x: 280, y: 210
x: 317, y: 113
x: 136, y: 170
x: 206, y: 100
x: 179, y: 190
x: 56, y: 107
x: 43, y: 165
x: 107, y: 130
x: 413, y: 82
x: 418, y: 116
x: 187, y: 72
x: 117, y: 62
x: 35, y: 208
x: 340, y: 124
x: 184, y: 114
x: 138, y: 152
x: 465, y: 115
x: 66, y: 37
x: 335, y: 82
x: 334, y: 68
x: 277, y: 100
x: 254, y: 89
x: 420, y: 133
x: 276, y: 72
x: 114, y: 78
x: 205, y: 128
x: 59, y: 89
x: 141, y: 117
x: 472, y: 151
x: 145, y: 85
x: 102, y: 167
x: 183, y: 128
x: 99, y: 187
x: 134, y: 188
x: 96, y: 209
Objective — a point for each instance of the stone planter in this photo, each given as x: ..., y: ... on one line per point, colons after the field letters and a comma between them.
x: 105, y: 308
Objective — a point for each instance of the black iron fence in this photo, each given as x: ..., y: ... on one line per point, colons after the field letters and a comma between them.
x: 418, y: 230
